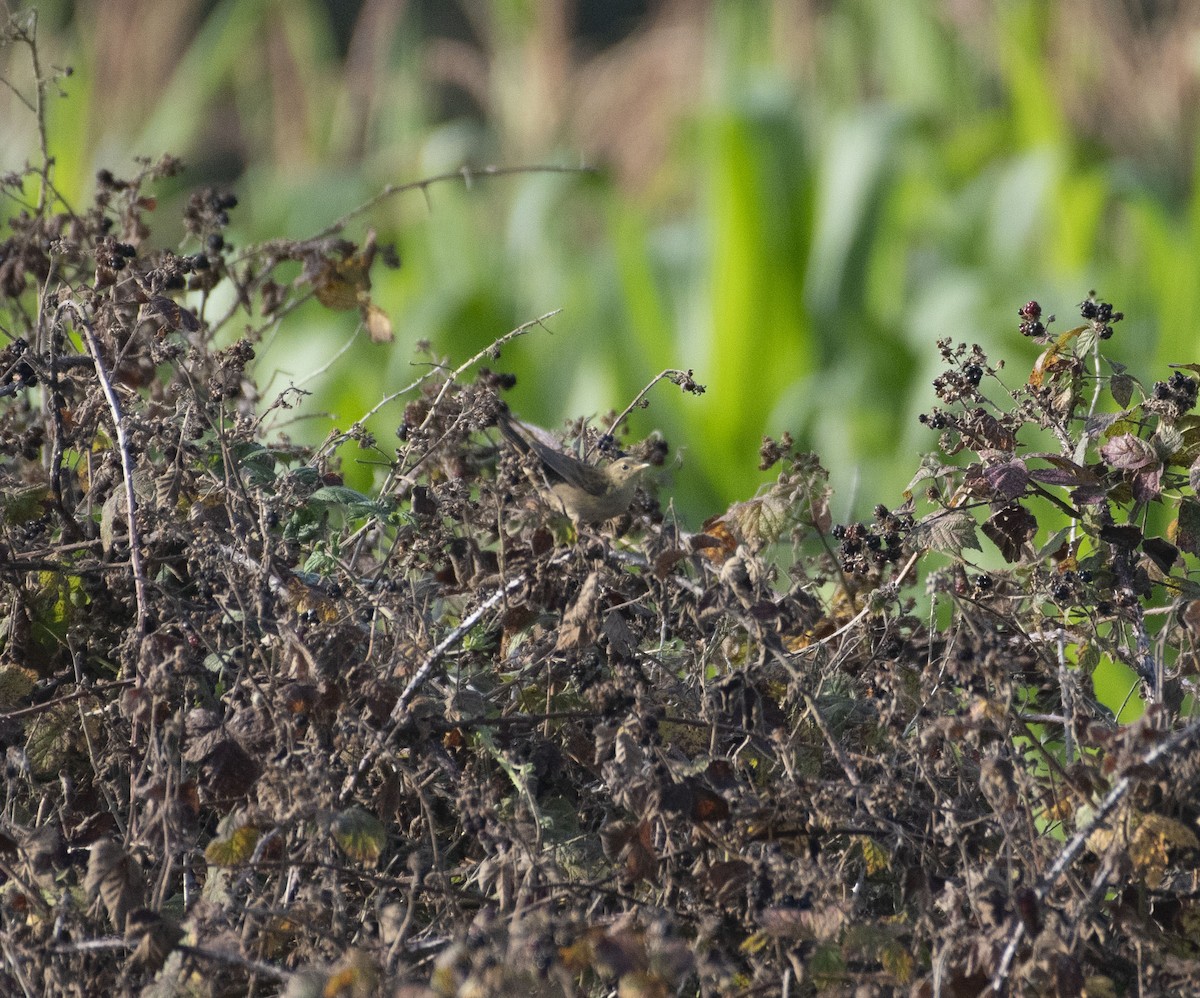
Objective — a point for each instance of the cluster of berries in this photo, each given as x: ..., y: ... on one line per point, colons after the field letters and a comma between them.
x: 864, y: 547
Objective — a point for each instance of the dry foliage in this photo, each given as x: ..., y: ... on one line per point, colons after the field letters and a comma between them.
x: 266, y: 734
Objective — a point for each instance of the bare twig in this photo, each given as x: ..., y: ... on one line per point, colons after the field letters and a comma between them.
x: 467, y: 174
x: 683, y: 378
x: 850, y: 624
x: 114, y: 406
x: 839, y: 753
x: 489, y: 351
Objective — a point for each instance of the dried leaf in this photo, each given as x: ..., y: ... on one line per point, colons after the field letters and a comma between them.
x: 16, y: 684
x: 799, y: 497
x: 641, y: 858
x: 171, y: 313
x: 1008, y: 480
x: 1161, y: 552
x: 1121, y: 387
x: 1062, y: 471
x: 343, y: 284
x: 378, y: 323
x: 153, y: 937
x: 580, y: 625
x: 228, y: 771
x: 1011, y: 528
x: 1186, y: 528
x: 1153, y: 842
x: 117, y: 879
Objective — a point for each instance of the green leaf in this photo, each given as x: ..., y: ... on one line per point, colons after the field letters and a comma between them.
x: 256, y: 461
x: 947, y: 531
x: 1121, y: 386
x: 20, y: 505
x: 355, y: 503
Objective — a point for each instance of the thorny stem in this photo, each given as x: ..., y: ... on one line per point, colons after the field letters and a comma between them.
x: 27, y: 33
x: 466, y: 174
x: 226, y: 957
x: 670, y: 373
x: 488, y: 351
x: 127, y: 469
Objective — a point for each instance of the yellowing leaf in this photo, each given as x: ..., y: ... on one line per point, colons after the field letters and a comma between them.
x: 15, y: 684
x: 233, y: 849
x: 874, y: 855
x: 360, y: 835
x: 355, y: 977
x: 1152, y: 842
x: 754, y: 943
x: 898, y: 962
x: 1099, y: 986
x: 343, y: 284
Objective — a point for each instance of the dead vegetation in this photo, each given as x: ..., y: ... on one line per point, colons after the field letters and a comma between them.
x: 266, y: 734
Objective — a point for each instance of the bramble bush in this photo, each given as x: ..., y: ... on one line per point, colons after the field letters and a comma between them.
x: 268, y: 734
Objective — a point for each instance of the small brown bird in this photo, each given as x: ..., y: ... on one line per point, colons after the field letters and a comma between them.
x: 586, y: 493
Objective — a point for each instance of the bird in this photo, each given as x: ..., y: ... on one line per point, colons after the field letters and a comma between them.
x: 587, y: 493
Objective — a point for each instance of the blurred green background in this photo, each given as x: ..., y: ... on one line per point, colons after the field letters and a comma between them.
x: 796, y: 198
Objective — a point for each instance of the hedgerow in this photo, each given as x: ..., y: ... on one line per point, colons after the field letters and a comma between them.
x: 266, y: 733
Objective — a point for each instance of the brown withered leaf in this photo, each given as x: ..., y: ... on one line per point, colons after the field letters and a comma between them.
x: 1062, y: 471
x: 378, y: 323
x: 611, y: 950
x: 615, y: 836
x: 672, y: 557
x: 1121, y: 386
x: 171, y: 314
x: 1010, y: 528
x: 1163, y: 553
x: 726, y: 879
x: 580, y: 625
x: 153, y: 937
x: 228, y: 771
x: 1147, y: 484
x: 343, y: 284
x: 1125, y: 536
x: 798, y: 498
x: 716, y: 542
x: 1185, y: 531
x: 641, y: 858
x: 1128, y: 452
x: 621, y: 640
x: 116, y: 878
x: 1055, y: 361
x: 786, y: 921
